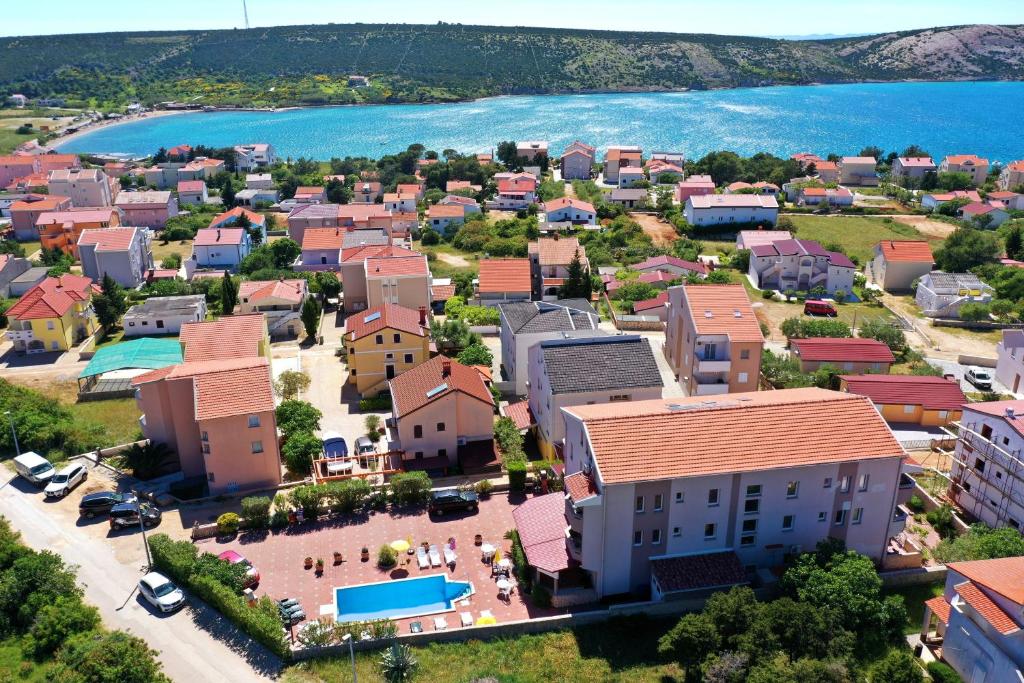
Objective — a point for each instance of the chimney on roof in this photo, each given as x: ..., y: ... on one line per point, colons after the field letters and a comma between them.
x: 423, y: 316
x: 446, y: 368
x: 1010, y: 415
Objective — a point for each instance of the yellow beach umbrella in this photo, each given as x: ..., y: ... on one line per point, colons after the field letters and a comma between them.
x: 497, y: 555
x: 400, y: 546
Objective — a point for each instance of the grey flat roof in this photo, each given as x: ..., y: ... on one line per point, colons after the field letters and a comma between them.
x: 166, y: 305
x: 368, y: 237
x: 33, y: 274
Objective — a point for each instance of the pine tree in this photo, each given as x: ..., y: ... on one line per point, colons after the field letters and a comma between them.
x: 110, y: 304
x: 310, y: 316
x: 228, y: 294
x: 578, y: 284
x: 227, y: 193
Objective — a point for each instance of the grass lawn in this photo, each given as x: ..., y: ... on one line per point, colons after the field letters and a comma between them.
x: 30, y: 247
x: 19, y: 667
x: 858, y: 234
x: 111, y: 339
x: 162, y: 251
x: 618, y: 650
x: 914, y: 597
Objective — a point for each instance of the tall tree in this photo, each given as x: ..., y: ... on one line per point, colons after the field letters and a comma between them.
x: 310, y: 315
x: 228, y: 294
x: 110, y: 304
x: 578, y: 284
x: 227, y: 192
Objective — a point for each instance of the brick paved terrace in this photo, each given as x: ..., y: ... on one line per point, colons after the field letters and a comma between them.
x: 279, y: 557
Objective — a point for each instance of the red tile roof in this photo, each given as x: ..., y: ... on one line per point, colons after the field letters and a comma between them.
x: 108, y: 239
x: 932, y: 393
x: 696, y: 572
x: 649, y: 304
x: 842, y: 350
x: 939, y: 608
x: 558, y: 251
x: 50, y: 202
x: 713, y: 309
x: 74, y: 216
x: 1004, y: 575
x: 580, y: 486
x: 388, y: 316
x: 441, y: 292
x: 504, y: 275
x: 409, y: 391
x: 233, y: 336
x: 989, y: 610
x: 563, y: 202
x: 745, y: 432
x: 257, y: 290
x: 232, y: 215
x: 446, y: 211
x: 660, y: 261
x: 394, y: 266
x: 191, y: 185
x: 52, y: 298
x: 521, y: 414
x: 541, y: 524
x: 226, y: 387
x: 374, y: 251
x: 965, y: 158
x: 907, y: 250
x: 212, y: 237
x: 323, y: 238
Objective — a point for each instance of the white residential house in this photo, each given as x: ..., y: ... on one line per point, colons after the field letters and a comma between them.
x: 566, y: 209
x: 801, y: 265
x: 719, y: 209
x: 221, y: 247
x: 164, y: 315
x: 631, y: 175
x: 258, y: 155
x: 912, y: 168
x: 1010, y: 365
x: 259, y: 181
x: 940, y: 295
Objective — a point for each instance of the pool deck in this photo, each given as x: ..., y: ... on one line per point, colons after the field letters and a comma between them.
x: 279, y: 558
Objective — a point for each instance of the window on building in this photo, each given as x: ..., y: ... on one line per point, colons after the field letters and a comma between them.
x: 419, y: 455
x: 844, y: 484
x: 616, y: 398
x: 744, y: 354
x: 417, y: 432
x: 822, y: 516
x: 747, y: 541
x: 986, y: 431
x: 679, y: 496
x: 712, y: 497
x: 397, y: 338
x: 1011, y: 521
x: 210, y: 478
x: 206, y: 448
x: 379, y: 339
x: 442, y: 452
x: 205, y: 436
x: 638, y: 538
x: 639, y: 507
x: 908, y: 409
x: 749, y: 526
x: 753, y: 491
x: 440, y: 426
x: 658, y: 502
x: 254, y: 421
x: 787, y: 522
x: 862, y: 482
x: 656, y: 537
x: 742, y: 377
x: 792, y: 489
x: 709, y: 531
x: 257, y: 446
x: 751, y: 506
x: 858, y: 516
x: 840, y: 519
x: 979, y: 464
x: 49, y: 324
x: 676, y: 531
x: 967, y: 487
x: 408, y: 358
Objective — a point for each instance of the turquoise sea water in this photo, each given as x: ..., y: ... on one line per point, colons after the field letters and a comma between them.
x: 397, y: 599
x: 944, y: 118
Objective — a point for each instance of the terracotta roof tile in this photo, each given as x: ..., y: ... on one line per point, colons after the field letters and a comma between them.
x: 211, y: 237
x: 232, y: 215
x: 989, y: 610
x: 231, y: 387
x: 504, y: 275
x: 841, y: 350
x: 52, y: 297
x: 89, y: 215
x: 191, y: 185
x: 559, y: 252
x: 932, y: 393
x: 323, y: 238
x: 233, y: 336
x: 695, y: 572
x: 966, y: 158
x: 658, y: 262
x: 939, y: 607
x: 388, y: 316
x: 541, y: 524
x: 713, y: 309
x: 257, y: 290
x: 441, y: 292
x: 417, y: 387
x: 580, y: 487
x: 373, y: 251
x: 446, y: 211
x: 650, y: 304
x: 639, y: 441
x: 1004, y: 575
x: 108, y: 239
x: 521, y: 414
x: 395, y: 266
x: 563, y: 202
x: 906, y: 250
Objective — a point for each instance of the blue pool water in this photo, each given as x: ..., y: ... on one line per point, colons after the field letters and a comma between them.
x: 944, y: 118
x: 397, y: 599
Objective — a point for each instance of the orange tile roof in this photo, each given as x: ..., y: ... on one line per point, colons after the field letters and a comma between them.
x: 211, y: 237
x: 939, y: 608
x: 989, y: 610
x: 51, y: 202
x: 409, y: 391
x: 232, y: 215
x: 932, y: 393
x: 441, y: 292
x: 580, y: 486
x: 521, y: 414
x: 395, y: 266
x: 504, y: 275
x: 323, y: 238
x: 639, y: 441
x: 191, y: 186
x: 713, y: 310
x: 257, y: 290
x: 230, y: 387
x: 52, y: 298
x: 446, y: 211
x: 559, y: 252
x: 109, y: 239
x: 374, y: 251
x: 562, y: 202
x: 233, y: 336
x: 1004, y: 575
x: 387, y: 316
x: 964, y: 158
x: 89, y: 215
x: 842, y: 350
x: 906, y: 250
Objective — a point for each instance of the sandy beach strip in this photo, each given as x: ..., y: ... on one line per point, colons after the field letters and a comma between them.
x: 57, y: 143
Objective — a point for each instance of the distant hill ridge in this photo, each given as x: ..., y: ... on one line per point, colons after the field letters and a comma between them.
x: 443, y: 62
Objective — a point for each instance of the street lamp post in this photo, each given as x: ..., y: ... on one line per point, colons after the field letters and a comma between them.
x: 14, y: 434
x: 351, y: 655
x: 142, y: 526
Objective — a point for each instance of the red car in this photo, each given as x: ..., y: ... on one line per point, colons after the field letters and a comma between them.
x: 818, y: 307
x: 252, y: 577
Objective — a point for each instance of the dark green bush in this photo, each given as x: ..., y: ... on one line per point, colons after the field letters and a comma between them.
x: 382, y: 402
x: 943, y: 673
x: 516, y: 475
x: 256, y: 512
x: 410, y: 488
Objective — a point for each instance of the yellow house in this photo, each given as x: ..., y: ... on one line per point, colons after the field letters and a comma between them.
x: 907, y: 399
x: 54, y: 315
x: 382, y: 343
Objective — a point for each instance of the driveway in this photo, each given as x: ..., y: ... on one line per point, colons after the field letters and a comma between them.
x: 959, y: 369
x: 193, y: 644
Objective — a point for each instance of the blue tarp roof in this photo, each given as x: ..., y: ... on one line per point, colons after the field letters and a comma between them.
x: 147, y: 353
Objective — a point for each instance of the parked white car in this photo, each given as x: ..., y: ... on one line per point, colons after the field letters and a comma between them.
x: 64, y: 481
x: 161, y: 592
x: 979, y: 377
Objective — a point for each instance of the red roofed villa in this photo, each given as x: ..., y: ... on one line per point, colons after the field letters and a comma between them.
x: 909, y: 399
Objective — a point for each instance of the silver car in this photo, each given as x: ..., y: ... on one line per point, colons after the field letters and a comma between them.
x: 161, y: 592
x: 68, y: 478
x: 979, y: 377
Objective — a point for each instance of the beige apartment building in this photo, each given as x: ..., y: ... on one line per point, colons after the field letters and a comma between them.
x: 971, y: 164
x: 87, y: 187
x: 712, y: 339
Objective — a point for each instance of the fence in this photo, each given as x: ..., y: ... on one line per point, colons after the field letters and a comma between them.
x: 976, y: 324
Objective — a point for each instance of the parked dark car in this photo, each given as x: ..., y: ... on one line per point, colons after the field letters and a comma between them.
x: 452, y: 499
x: 127, y: 515
x: 100, y: 503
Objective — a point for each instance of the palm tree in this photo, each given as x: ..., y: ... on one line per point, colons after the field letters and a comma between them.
x: 397, y: 664
x: 145, y: 462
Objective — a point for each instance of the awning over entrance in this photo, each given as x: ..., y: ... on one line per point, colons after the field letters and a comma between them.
x: 541, y: 524
x: 521, y: 414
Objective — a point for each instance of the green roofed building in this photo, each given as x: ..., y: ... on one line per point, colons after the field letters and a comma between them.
x: 109, y: 373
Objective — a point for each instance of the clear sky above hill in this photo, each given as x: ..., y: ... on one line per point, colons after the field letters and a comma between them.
x: 737, y: 17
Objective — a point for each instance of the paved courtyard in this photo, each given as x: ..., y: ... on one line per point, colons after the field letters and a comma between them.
x: 280, y: 557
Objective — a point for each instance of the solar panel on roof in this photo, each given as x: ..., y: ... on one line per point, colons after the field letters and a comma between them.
x: 370, y: 318
x: 437, y: 390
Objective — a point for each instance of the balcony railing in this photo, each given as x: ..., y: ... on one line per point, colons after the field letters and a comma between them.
x: 716, y: 365
x: 712, y: 389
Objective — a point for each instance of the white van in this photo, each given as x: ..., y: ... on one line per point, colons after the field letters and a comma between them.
x: 34, y: 467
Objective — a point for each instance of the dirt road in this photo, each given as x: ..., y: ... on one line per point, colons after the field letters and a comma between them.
x: 927, y: 226
x: 661, y: 232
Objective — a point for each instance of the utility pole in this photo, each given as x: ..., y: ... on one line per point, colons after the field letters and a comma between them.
x: 245, y: 11
x: 142, y: 527
x: 14, y: 433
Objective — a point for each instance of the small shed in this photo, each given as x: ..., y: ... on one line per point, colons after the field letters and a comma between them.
x: 109, y: 374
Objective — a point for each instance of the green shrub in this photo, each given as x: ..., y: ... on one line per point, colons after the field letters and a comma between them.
x: 942, y: 673
x: 232, y: 576
x: 349, y: 495
x: 386, y: 557
x: 382, y: 402
x: 176, y: 559
x: 59, y: 621
x: 516, y: 475
x: 256, y: 512
x: 410, y: 488
x: 262, y: 622
x: 767, y: 293
x: 508, y: 436
x: 227, y: 524
x: 310, y: 499
x: 483, y: 488
x: 941, y: 520
x: 915, y: 504
x: 519, y: 563
x: 279, y: 519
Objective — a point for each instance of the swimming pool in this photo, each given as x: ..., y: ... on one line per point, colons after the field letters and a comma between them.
x: 398, y: 599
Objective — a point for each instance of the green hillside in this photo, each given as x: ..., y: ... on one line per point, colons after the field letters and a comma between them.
x: 408, y: 63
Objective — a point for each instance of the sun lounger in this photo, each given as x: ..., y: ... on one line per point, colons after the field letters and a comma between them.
x: 449, y: 556
x: 467, y: 619
x: 421, y: 558
x: 435, y: 557
x: 440, y: 624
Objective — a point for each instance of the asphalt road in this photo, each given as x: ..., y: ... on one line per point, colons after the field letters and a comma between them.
x: 194, y: 644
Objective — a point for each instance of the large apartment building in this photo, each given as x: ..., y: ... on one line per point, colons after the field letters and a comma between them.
x: 674, y: 495
x: 712, y: 339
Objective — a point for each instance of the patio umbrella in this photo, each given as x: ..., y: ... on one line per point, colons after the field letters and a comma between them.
x: 486, y: 621
x: 497, y: 555
x: 400, y: 546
